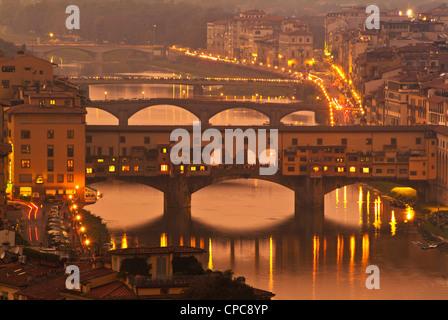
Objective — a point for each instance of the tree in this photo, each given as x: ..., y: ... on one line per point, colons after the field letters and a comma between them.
x: 218, y: 285
x: 135, y: 266
x: 187, y: 266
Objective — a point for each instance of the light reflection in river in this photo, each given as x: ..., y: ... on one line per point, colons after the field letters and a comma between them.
x: 276, y: 256
x: 251, y: 229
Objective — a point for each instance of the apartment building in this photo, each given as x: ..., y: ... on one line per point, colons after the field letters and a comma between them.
x: 23, y: 69
x: 48, y: 136
x: 254, y: 37
x: 44, y: 122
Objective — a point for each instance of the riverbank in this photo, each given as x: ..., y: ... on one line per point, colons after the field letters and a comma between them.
x: 433, y: 216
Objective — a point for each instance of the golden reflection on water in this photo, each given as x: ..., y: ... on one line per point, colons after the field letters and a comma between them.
x: 271, y: 265
x: 365, y: 249
x: 393, y: 224
x: 124, y: 241
x: 210, y: 255
x: 163, y: 240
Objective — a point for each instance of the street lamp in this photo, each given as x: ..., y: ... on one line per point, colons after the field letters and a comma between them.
x: 105, y: 95
x: 154, y: 26
x: 143, y: 93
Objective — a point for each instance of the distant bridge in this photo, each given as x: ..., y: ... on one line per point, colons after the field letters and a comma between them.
x: 96, y: 51
x: 205, y: 109
x: 191, y: 81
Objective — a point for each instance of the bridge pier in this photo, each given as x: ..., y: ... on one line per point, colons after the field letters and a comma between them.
x: 426, y: 191
x: 177, y: 201
x: 274, y: 119
x: 123, y: 118
x: 98, y: 58
x: 309, y: 203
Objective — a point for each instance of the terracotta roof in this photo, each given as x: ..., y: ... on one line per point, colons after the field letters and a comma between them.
x: 156, y: 250
x: 46, y: 290
x: 404, y: 78
x: 22, y: 275
x: 113, y: 290
x: 61, y: 94
x: 436, y: 99
x: 28, y: 108
x: 95, y: 273
x: 441, y: 10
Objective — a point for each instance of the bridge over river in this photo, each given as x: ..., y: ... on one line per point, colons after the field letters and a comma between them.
x: 312, y: 161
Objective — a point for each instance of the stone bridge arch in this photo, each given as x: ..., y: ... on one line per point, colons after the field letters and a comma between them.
x: 93, y: 109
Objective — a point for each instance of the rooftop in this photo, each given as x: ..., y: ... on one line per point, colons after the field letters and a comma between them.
x: 22, y: 275
x: 35, y: 109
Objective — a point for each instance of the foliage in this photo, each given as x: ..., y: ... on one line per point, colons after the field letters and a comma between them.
x: 97, y: 231
x: 41, y: 256
x: 9, y: 49
x: 127, y: 22
x: 187, y: 266
x: 218, y: 286
x: 135, y: 266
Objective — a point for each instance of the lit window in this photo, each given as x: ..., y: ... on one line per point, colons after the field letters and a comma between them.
x: 202, y: 168
x: 26, y: 163
x: 136, y: 168
x: 365, y: 170
x: 164, y: 150
x: 182, y: 169
x: 125, y: 168
x: 315, y: 169
x: 52, y: 102
x: 341, y: 169
x: 111, y: 168
x: 100, y: 160
x: 70, y: 165
x: 325, y: 168
x: 164, y: 168
x: 89, y: 170
x: 352, y: 169
x: 192, y: 168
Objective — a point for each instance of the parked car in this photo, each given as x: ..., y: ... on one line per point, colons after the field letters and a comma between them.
x: 13, y: 206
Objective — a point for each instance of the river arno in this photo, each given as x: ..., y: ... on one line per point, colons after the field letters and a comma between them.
x: 248, y: 226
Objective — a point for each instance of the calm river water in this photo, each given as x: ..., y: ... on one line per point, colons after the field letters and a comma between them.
x: 248, y: 225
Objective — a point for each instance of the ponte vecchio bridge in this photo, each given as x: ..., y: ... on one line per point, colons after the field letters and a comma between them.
x: 204, y: 109
x: 312, y: 161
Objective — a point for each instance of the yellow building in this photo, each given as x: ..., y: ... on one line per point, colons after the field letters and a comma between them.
x: 47, y: 132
